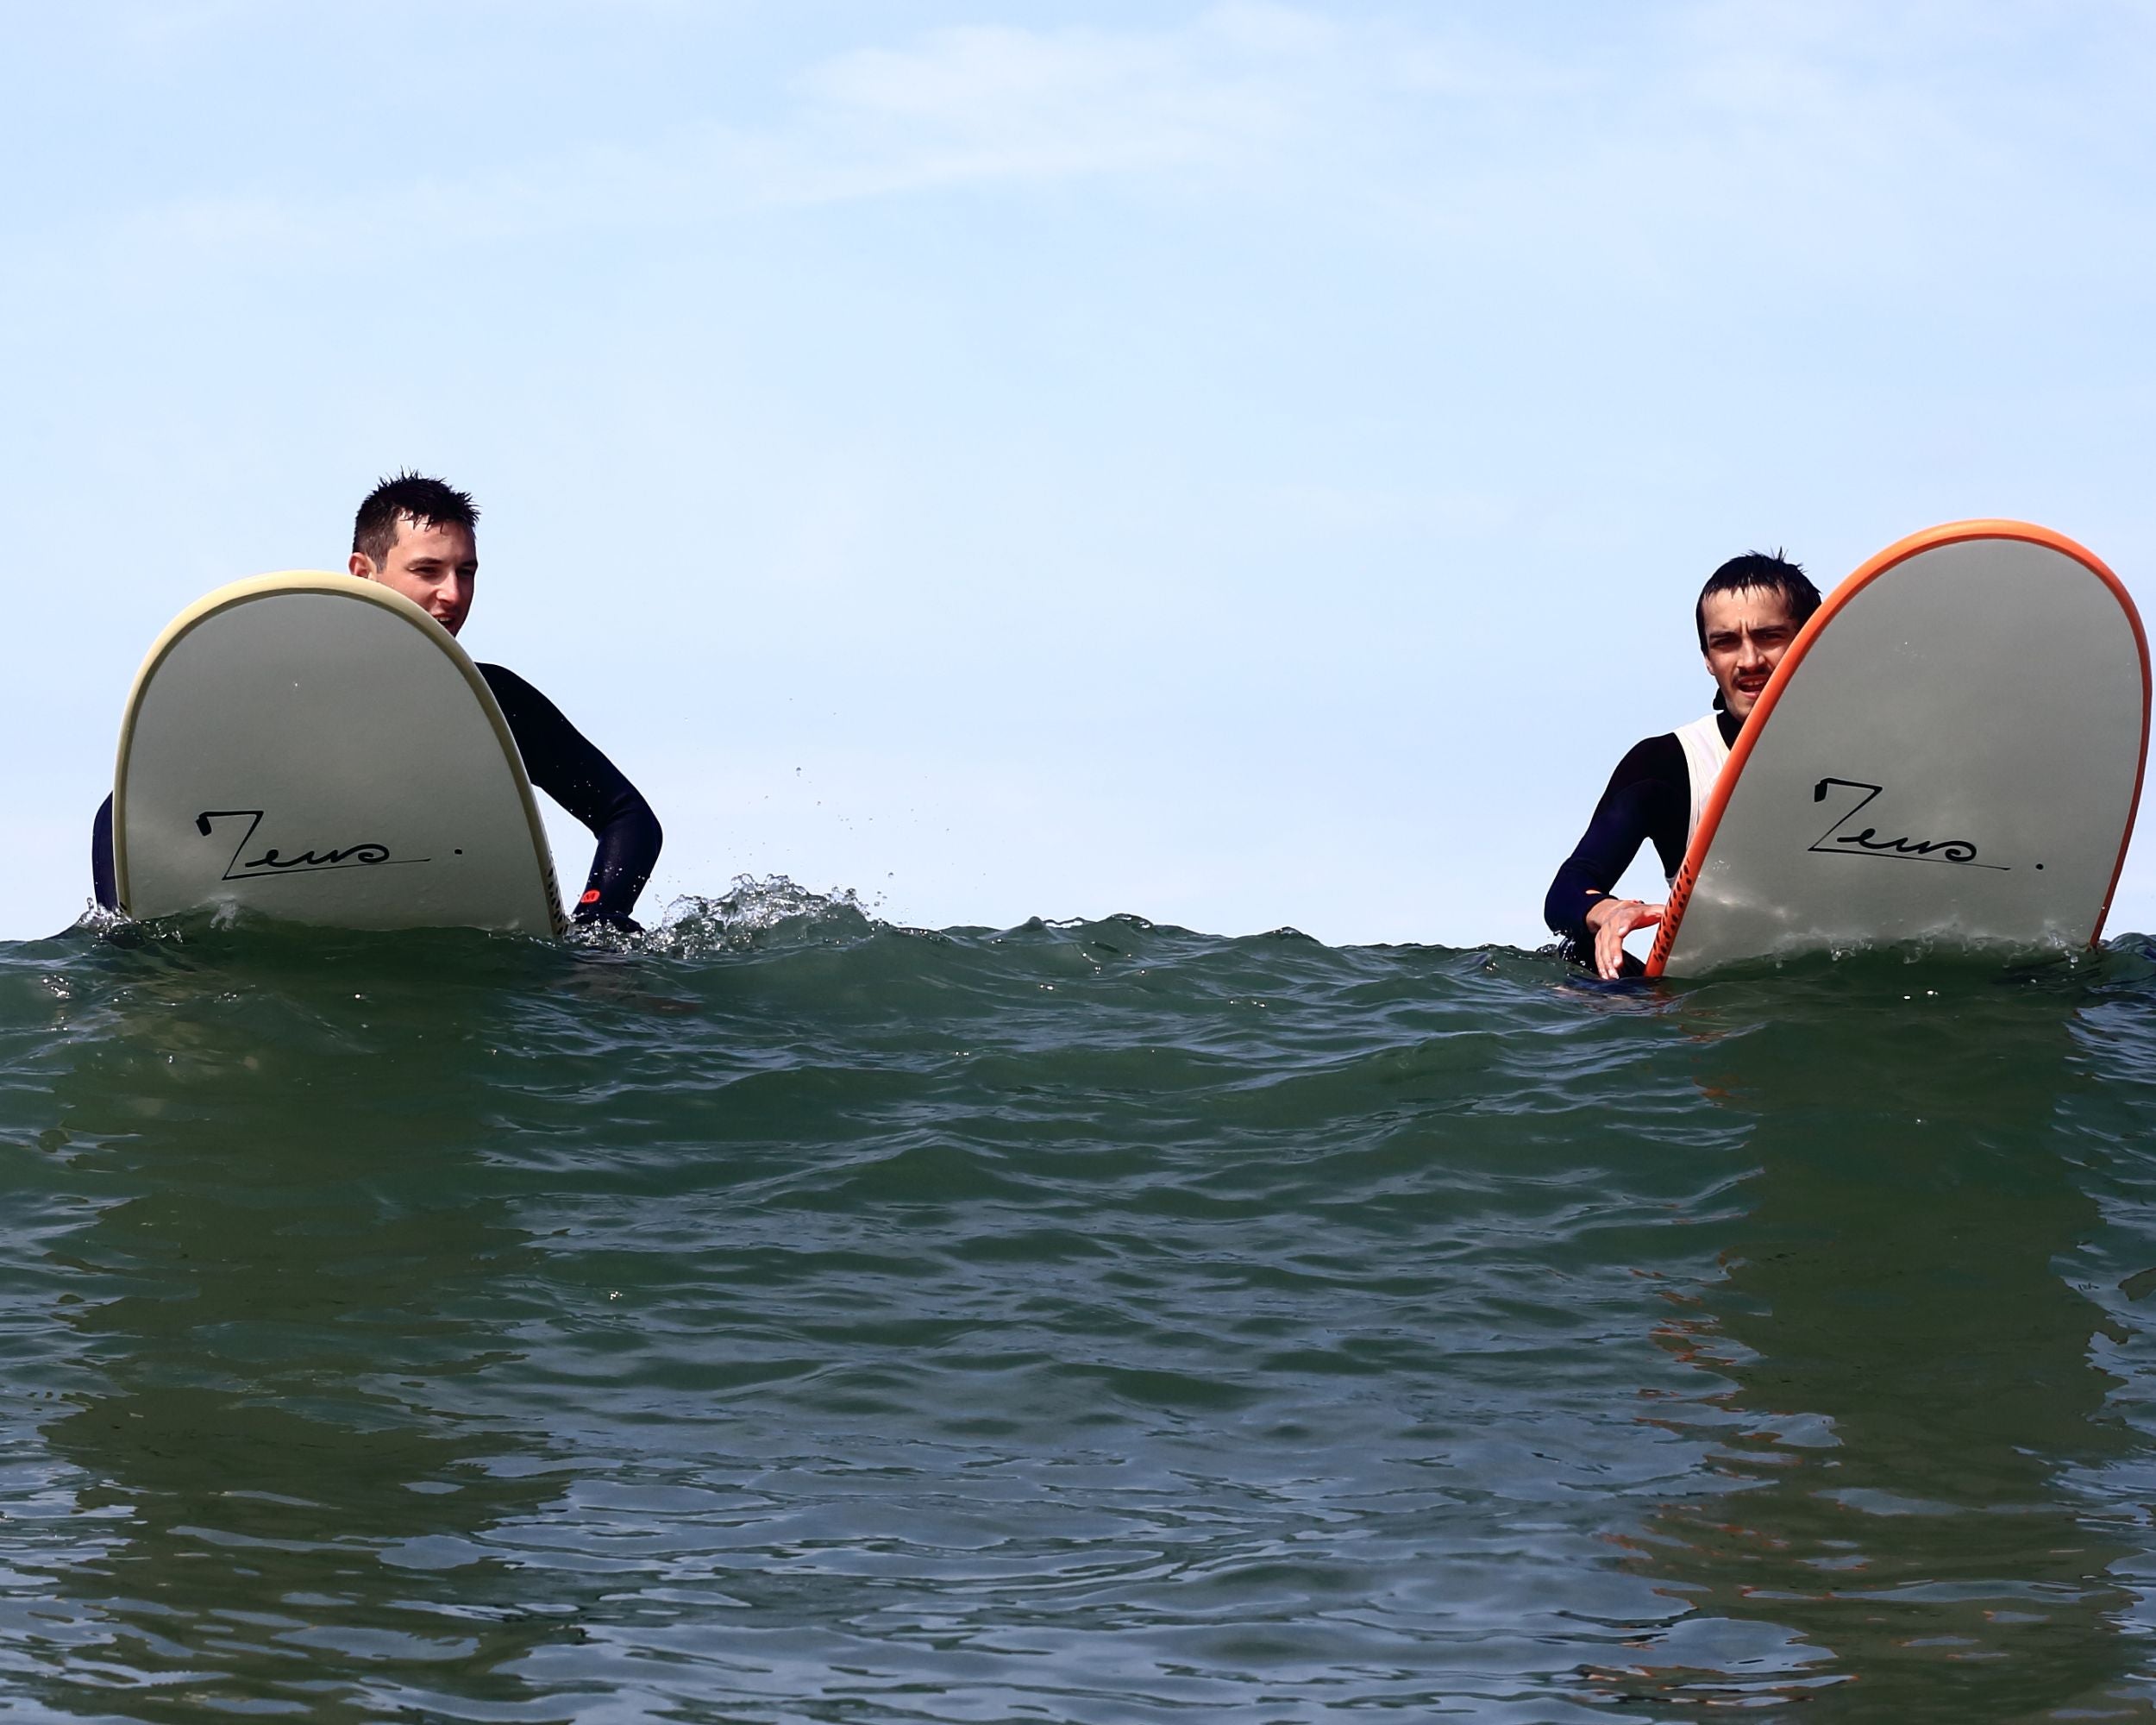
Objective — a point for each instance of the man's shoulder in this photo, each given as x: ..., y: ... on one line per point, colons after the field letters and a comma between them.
x: 1651, y: 757
x: 497, y: 675
x: 509, y: 689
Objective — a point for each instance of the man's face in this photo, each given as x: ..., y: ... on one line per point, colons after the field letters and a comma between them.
x: 432, y: 565
x: 1747, y: 633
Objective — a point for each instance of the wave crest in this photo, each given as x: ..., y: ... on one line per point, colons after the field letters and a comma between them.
x: 753, y: 912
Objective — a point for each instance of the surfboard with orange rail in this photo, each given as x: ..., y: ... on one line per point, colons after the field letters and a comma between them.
x: 1950, y: 755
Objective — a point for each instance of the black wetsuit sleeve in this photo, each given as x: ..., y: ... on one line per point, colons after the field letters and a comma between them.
x: 565, y: 764
x: 1649, y: 798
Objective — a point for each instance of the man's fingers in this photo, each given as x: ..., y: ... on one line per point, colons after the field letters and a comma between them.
x: 1609, y: 939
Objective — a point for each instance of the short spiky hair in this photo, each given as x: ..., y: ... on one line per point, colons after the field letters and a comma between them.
x: 1759, y: 572
x: 428, y: 501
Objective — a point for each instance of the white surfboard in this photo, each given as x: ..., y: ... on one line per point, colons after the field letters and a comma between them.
x: 317, y: 748
x: 1950, y: 753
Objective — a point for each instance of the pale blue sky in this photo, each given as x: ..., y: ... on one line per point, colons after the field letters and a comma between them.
x: 1243, y: 464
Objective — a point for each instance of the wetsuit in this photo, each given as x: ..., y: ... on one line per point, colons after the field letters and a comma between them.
x: 1649, y: 799
x: 564, y: 764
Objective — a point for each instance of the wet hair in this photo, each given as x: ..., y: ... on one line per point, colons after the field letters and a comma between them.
x: 1759, y: 572
x: 430, y: 503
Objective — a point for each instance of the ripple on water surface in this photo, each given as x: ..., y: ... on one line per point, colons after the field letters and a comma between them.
x: 788, y: 1316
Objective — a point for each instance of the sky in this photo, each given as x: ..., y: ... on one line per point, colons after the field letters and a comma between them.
x: 1246, y: 465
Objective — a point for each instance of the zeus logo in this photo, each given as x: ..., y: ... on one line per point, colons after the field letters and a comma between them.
x: 273, y: 863
x: 1839, y: 840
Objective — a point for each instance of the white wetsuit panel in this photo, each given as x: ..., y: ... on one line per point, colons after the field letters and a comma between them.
x: 1704, y: 753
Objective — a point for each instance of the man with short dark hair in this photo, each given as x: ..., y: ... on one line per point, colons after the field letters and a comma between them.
x: 1748, y: 613
x: 420, y: 536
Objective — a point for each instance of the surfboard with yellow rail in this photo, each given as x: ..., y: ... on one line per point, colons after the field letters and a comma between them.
x: 313, y: 747
x: 1949, y: 754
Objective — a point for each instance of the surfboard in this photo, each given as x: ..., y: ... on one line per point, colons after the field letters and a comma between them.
x: 317, y: 748
x: 1950, y: 754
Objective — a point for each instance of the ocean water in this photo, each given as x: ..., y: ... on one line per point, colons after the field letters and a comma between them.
x: 788, y: 1316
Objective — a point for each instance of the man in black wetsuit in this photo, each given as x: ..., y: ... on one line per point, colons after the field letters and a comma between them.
x: 420, y: 536
x: 1748, y: 613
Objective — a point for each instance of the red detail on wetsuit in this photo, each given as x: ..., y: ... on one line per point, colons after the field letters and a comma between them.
x: 590, y: 898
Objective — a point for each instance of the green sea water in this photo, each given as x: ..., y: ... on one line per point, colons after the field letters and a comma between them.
x: 787, y: 1316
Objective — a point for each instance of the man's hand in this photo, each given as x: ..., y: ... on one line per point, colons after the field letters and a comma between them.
x: 1612, y: 920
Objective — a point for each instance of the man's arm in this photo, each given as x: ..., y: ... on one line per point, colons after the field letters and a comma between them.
x: 101, y: 875
x: 568, y: 767
x: 1648, y: 798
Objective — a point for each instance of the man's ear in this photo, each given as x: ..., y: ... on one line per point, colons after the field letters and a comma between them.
x: 362, y: 566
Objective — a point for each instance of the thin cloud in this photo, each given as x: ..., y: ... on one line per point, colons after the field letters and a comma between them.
x: 1242, y: 93
x: 1729, y: 130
